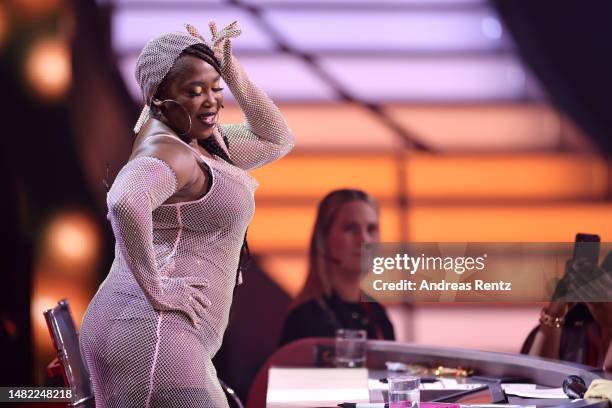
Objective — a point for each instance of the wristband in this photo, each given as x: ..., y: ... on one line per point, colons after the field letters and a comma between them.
x: 550, y: 321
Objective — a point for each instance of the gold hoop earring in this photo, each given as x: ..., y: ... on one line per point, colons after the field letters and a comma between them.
x: 159, y: 104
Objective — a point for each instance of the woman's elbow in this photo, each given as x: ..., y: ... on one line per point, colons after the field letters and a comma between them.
x: 287, y: 142
x: 287, y: 147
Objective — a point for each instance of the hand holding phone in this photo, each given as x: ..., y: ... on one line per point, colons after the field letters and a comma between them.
x: 578, y: 268
x: 586, y: 248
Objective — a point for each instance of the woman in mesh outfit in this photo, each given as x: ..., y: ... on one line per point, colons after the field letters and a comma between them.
x: 179, y: 210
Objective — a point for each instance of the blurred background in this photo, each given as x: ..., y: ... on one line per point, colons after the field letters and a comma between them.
x: 469, y: 120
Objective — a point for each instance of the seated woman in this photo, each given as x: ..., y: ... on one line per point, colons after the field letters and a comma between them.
x: 331, y: 297
x: 577, y: 332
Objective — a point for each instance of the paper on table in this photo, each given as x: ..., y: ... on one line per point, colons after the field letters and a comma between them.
x: 530, y: 391
x: 441, y: 384
x: 449, y: 384
x: 316, y: 387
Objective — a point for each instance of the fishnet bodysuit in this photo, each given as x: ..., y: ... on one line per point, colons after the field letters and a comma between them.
x: 138, y: 341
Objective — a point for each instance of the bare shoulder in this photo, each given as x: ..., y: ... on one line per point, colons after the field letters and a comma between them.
x: 173, y: 152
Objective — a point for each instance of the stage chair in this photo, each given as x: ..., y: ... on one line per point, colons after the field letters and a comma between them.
x: 300, y: 353
x: 66, y: 342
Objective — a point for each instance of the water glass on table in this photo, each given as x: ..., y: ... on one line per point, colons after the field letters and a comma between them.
x: 404, y: 391
x: 350, y: 348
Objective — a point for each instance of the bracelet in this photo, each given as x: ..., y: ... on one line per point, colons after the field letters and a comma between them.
x: 550, y: 321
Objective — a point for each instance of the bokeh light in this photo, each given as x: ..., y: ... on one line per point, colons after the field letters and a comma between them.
x: 67, y: 259
x: 48, y: 68
x: 491, y: 28
x: 35, y: 8
x: 46, y: 295
x: 72, y: 243
x: 47, y: 290
x: 4, y: 24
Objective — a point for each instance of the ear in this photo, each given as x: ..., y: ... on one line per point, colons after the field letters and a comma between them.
x: 156, y: 107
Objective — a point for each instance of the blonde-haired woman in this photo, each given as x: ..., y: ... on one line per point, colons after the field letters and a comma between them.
x: 331, y: 297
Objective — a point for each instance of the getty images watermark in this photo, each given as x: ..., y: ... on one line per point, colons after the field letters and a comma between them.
x: 485, y: 272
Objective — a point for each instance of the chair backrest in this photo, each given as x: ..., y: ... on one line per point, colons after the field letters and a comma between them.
x: 300, y: 353
x: 230, y: 394
x: 66, y: 341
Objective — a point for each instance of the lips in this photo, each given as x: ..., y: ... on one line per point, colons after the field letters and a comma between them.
x: 208, y: 118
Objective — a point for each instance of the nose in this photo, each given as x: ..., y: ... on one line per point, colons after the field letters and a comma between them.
x: 210, y: 98
x: 365, y: 237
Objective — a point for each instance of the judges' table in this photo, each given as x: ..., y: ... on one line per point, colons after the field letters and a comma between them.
x: 487, y: 367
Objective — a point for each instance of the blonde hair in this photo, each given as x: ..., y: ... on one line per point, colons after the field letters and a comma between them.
x: 317, y: 282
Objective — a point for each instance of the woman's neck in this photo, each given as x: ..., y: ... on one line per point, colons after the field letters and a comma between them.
x: 345, y: 285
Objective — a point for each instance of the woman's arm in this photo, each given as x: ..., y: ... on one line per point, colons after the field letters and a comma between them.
x: 602, y: 313
x: 547, y: 340
x: 264, y: 136
x: 141, y: 186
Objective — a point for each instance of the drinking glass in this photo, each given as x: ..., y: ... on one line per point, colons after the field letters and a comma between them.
x: 404, y: 391
x: 350, y: 348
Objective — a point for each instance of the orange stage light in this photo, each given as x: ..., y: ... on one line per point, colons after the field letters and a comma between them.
x: 4, y: 24
x: 337, y: 126
x: 310, y: 177
x: 445, y: 177
x: 512, y: 223
x: 72, y: 244
x: 511, y: 127
x: 280, y: 229
x: 47, y: 289
x: 287, y: 271
x: 502, y: 177
x: 48, y: 68
x: 35, y: 8
x: 288, y: 228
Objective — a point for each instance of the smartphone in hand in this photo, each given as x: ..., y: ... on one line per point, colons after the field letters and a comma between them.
x: 586, y: 247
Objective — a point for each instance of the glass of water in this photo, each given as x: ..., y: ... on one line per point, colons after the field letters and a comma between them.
x: 404, y: 391
x: 350, y: 348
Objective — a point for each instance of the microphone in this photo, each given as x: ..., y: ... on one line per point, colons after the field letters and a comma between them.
x: 574, y: 387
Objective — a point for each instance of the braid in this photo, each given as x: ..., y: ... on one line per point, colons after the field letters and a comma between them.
x: 205, y: 53
x: 211, y: 145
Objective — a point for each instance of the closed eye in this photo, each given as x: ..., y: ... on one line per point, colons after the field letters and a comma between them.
x: 194, y: 94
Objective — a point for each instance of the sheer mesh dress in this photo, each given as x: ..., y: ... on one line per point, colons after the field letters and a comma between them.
x: 138, y: 341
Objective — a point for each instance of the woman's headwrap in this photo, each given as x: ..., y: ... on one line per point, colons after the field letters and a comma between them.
x: 156, y: 60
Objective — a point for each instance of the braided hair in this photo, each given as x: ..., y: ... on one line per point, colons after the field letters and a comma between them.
x: 203, y: 52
